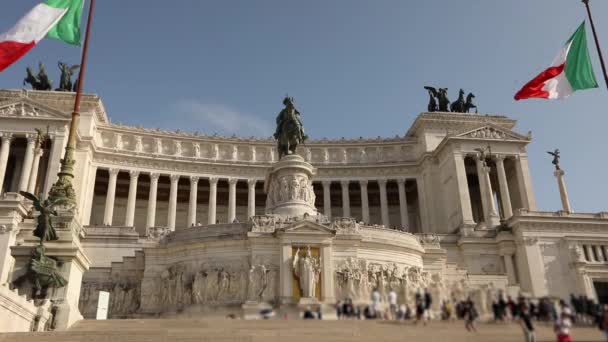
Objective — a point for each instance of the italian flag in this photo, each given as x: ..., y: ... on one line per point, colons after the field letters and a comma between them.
x: 59, y: 19
x: 571, y: 71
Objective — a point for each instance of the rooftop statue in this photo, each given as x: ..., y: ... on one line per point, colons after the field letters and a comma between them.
x: 40, y: 81
x: 65, y: 81
x: 290, y: 131
x: 458, y: 105
x: 556, y: 157
x: 438, y: 101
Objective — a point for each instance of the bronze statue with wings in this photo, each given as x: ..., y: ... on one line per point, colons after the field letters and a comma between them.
x: 65, y: 81
x: 44, y: 226
x: 556, y: 157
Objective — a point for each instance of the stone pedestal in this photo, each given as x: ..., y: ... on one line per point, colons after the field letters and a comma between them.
x: 289, y: 188
x: 563, y: 193
x: 72, y: 263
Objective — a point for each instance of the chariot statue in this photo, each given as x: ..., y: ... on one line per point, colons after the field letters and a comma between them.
x: 290, y: 131
x: 39, y: 81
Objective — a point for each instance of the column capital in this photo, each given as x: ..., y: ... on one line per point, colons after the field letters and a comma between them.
x: 113, y: 171
x: 31, y: 138
x: 363, y: 182
x: 213, y: 180
x: 326, y: 183
x: 232, y: 180
x: 499, y: 157
x: 8, y: 136
x: 381, y: 182
x: 344, y: 183
x: 194, y: 179
x: 486, y: 169
x: 251, y: 182
x: 39, y: 152
x: 401, y: 180
x: 174, y: 178
x: 134, y: 173
x: 154, y: 176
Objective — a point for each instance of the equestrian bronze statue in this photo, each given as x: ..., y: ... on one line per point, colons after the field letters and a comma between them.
x: 290, y: 131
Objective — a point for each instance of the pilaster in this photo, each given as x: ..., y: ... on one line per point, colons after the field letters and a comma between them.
x: 232, y: 199
x: 384, y: 203
x: 345, y: 199
x: 171, y: 215
x: 192, y: 201
x: 364, y: 201
x: 130, y: 216
x: 211, y: 217
x: 151, y: 216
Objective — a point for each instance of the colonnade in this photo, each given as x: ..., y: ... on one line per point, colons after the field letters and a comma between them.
x: 193, y: 200
x: 28, y: 176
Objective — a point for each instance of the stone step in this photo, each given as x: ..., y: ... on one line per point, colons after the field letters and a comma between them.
x: 163, y: 330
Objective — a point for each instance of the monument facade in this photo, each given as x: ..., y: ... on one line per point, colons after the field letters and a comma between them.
x: 184, y: 224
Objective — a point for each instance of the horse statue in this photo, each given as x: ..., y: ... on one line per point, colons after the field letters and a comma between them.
x: 458, y: 105
x: 65, y: 81
x: 43, y: 78
x: 442, y: 98
x: 468, y: 105
x: 31, y: 78
x: 432, y: 107
x: 289, y: 132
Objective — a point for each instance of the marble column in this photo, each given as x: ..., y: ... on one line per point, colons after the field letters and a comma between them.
x: 327, y: 280
x: 405, y: 221
x: 464, y: 196
x: 212, y: 200
x: 345, y: 199
x: 130, y: 216
x: 151, y: 216
x: 26, y: 169
x: 54, y: 164
x: 364, y: 201
x: 327, y: 198
x: 193, y: 200
x: 4, y: 152
x: 232, y: 199
x: 524, y: 182
x: 505, y: 197
x: 172, y: 202
x: 88, y: 206
x: 31, y: 188
x: 485, y: 206
x: 110, y: 196
x: 251, y: 198
x: 563, y: 193
x: 384, y: 203
x: 493, y: 219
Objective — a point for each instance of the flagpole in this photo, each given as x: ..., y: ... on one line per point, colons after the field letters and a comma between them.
x: 63, y: 189
x: 597, y: 42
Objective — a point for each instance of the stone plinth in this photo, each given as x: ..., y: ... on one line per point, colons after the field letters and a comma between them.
x: 289, y: 188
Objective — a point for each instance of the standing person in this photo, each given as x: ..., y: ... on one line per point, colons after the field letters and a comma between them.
x: 563, y: 325
x: 603, y: 321
x: 392, y: 302
x: 525, y: 320
x: 470, y: 315
x: 419, y: 308
x: 428, y: 300
x: 376, y: 303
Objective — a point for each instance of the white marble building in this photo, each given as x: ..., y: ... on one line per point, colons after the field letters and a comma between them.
x: 175, y: 222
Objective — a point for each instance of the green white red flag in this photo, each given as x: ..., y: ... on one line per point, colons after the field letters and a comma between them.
x: 58, y: 19
x: 570, y: 71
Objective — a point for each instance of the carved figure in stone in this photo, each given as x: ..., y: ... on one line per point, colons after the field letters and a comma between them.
x: 308, y: 156
x: 159, y: 146
x: 363, y: 155
x: 65, y: 81
x: 118, y: 143
x: 325, y: 156
x: 432, y: 106
x: 344, y: 156
x: 483, y: 154
x: 556, y: 156
x: 290, y: 131
x: 458, y: 105
x: 235, y: 153
x: 223, y: 284
x: 307, y: 270
x: 178, y: 148
x: 577, y: 253
x: 197, y: 150
x: 469, y: 104
x: 215, y: 153
x: 258, y: 282
x: 138, y: 144
x: 199, y: 287
x: 253, y: 153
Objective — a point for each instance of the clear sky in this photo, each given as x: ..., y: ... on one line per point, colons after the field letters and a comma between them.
x: 356, y: 68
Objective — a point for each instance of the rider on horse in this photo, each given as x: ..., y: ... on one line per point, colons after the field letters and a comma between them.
x: 290, y: 131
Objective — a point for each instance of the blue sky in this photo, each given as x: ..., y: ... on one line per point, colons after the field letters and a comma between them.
x: 356, y: 68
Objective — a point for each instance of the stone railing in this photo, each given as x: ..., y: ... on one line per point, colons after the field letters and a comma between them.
x: 21, y: 314
x: 561, y: 213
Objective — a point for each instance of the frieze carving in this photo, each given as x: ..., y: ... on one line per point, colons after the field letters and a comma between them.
x: 157, y: 233
x: 288, y: 188
x: 345, y: 225
x: 487, y: 133
x: 263, y: 223
x: 428, y: 239
x: 19, y: 109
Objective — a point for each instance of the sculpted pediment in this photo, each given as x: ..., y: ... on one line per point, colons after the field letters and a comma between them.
x: 307, y: 227
x: 493, y: 132
x: 26, y: 108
